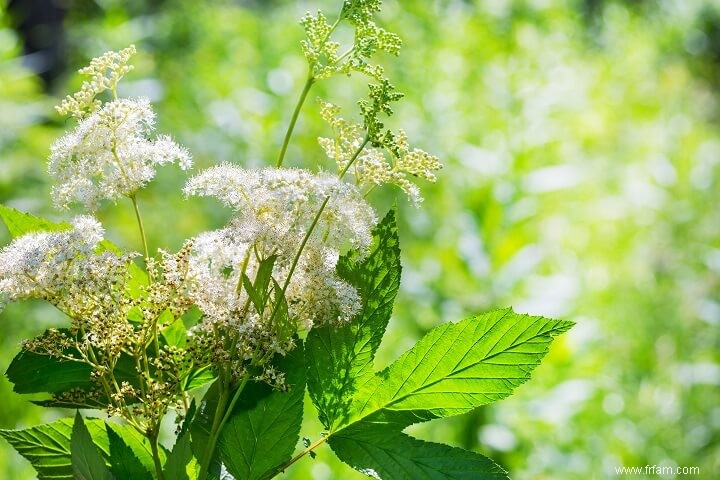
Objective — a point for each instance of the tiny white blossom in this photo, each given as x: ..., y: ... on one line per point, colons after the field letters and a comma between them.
x: 315, y: 293
x: 291, y: 198
x: 33, y: 265
x: 109, y: 155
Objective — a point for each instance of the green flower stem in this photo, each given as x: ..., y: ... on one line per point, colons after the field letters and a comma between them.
x: 210, y: 448
x: 297, y: 256
x: 140, y: 225
x: 308, y: 85
x: 156, y: 454
x: 297, y: 457
x: 222, y: 414
x: 354, y: 157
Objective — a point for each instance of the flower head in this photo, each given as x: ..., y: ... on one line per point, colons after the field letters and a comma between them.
x: 36, y: 265
x: 290, y: 199
x: 109, y: 155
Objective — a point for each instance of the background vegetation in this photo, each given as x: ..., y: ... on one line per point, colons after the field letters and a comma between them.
x: 581, y: 145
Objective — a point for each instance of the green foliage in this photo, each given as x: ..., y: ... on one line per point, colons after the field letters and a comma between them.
x: 452, y: 370
x: 180, y: 463
x: 32, y: 373
x: 456, y: 368
x: 19, y: 223
x: 87, y: 464
x: 124, y: 463
x: 264, y: 428
x: 341, y: 359
x: 48, y: 446
x: 383, y: 452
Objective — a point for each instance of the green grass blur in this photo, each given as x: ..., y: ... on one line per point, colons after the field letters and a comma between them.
x: 581, y: 145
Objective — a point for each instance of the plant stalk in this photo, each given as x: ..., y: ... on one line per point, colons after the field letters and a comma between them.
x: 222, y: 414
x: 297, y: 457
x: 140, y: 225
x: 156, y: 455
x: 354, y: 157
x: 308, y: 85
x: 297, y: 256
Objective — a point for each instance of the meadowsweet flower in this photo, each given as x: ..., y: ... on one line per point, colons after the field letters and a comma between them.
x: 275, y: 210
x: 291, y: 198
x: 31, y: 264
x: 109, y: 155
x: 315, y: 294
x: 64, y: 268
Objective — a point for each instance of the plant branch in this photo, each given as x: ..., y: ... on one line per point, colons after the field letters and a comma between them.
x: 308, y: 85
x: 140, y: 225
x: 156, y: 455
x: 297, y: 457
x: 297, y: 256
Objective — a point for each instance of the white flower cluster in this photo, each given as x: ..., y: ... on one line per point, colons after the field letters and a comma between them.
x: 105, y: 71
x: 370, y: 166
x: 276, y: 208
x: 288, y: 200
x: 109, y: 155
x: 37, y: 265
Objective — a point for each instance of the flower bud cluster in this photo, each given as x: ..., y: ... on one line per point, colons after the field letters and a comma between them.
x: 373, y: 166
x: 105, y: 72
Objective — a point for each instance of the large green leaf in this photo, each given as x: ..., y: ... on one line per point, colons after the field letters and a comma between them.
x: 457, y: 367
x: 36, y: 373
x: 264, y: 429
x: 124, y: 463
x: 48, y: 446
x: 452, y: 370
x: 382, y: 452
x: 87, y: 462
x: 181, y: 463
x: 339, y: 359
x: 33, y: 373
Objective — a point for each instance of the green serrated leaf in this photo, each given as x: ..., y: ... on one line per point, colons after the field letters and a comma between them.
x: 456, y: 368
x: 265, y: 426
x: 181, y: 464
x: 35, y: 373
x: 339, y: 359
x: 19, y: 223
x: 175, y: 334
x: 199, y: 377
x: 47, y: 446
x: 381, y: 452
x: 134, y: 440
x: 87, y: 463
x: 452, y: 370
x: 123, y: 461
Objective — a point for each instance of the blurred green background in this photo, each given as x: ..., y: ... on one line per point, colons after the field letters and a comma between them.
x: 581, y: 145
